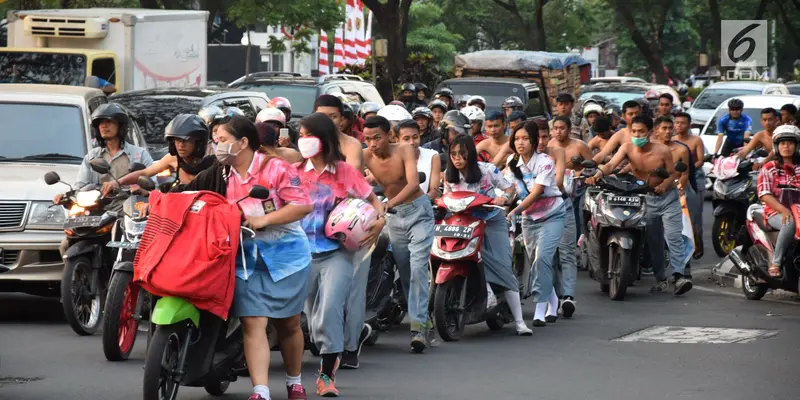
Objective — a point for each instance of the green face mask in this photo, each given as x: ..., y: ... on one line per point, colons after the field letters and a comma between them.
x: 639, y: 142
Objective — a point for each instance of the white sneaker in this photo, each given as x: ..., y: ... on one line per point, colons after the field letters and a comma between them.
x: 523, y: 330
x: 491, y: 300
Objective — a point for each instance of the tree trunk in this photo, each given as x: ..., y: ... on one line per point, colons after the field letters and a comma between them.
x: 716, y: 23
x: 392, y: 23
x: 788, y: 23
x: 651, y: 51
x: 541, y: 39
x: 530, y: 34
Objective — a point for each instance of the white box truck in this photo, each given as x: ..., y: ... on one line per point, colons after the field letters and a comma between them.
x: 130, y: 48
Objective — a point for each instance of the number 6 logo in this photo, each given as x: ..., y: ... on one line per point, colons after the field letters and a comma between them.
x: 744, y: 43
x: 741, y: 39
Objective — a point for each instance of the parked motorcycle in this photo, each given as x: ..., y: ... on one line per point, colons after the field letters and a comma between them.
x: 753, y: 257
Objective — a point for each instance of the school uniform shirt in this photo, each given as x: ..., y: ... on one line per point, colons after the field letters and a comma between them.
x: 491, y: 178
x: 335, y: 182
x: 539, y: 170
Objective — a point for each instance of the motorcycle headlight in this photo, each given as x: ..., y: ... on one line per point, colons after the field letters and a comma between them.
x: 76, y: 210
x: 719, y: 186
x: 44, y: 215
x: 134, y: 228
x: 87, y: 199
x: 446, y: 255
x: 457, y: 205
x: 740, y: 188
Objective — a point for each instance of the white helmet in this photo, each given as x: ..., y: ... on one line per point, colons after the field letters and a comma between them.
x: 785, y: 133
x: 476, y: 99
x: 592, y: 107
x: 271, y: 115
x: 394, y: 113
x: 474, y: 113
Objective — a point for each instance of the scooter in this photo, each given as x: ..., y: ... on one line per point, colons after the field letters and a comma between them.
x: 753, y: 257
x: 460, y: 295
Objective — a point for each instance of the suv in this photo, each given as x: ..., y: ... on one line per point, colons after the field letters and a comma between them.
x: 496, y: 90
x: 303, y: 91
x: 46, y: 128
x: 154, y: 108
x: 702, y: 109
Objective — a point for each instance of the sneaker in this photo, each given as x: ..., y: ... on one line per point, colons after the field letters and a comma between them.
x: 256, y: 396
x: 659, y: 287
x: 539, y: 323
x: 418, y: 342
x: 567, y: 307
x: 523, y: 330
x: 681, y: 285
x: 326, y: 387
x: 430, y: 338
x: 350, y: 358
x: 491, y: 300
x: 647, y: 271
x: 296, y: 392
x: 550, y: 319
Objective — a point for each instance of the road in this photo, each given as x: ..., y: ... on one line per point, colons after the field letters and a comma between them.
x: 602, y: 353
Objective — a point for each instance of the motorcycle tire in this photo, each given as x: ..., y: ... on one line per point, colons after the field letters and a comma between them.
x: 165, y: 345
x: 217, y: 388
x: 618, y: 284
x: 440, y: 308
x: 119, y: 326
x: 753, y: 291
x: 717, y: 230
x: 86, y: 321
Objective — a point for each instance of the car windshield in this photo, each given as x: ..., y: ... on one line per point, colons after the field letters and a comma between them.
x: 618, y: 98
x: 48, y: 68
x: 795, y: 90
x: 494, y: 93
x: 153, y: 112
x: 301, y: 97
x: 56, y: 132
x: 753, y: 113
x: 710, y: 99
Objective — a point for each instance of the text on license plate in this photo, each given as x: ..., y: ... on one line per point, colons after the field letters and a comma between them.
x: 630, y: 201
x: 83, y: 221
x: 454, y: 231
x: 123, y: 245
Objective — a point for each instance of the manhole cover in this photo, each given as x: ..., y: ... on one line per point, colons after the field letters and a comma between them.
x: 694, y: 334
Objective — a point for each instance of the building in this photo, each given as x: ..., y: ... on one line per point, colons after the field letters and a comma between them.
x: 604, y: 57
x: 287, y: 61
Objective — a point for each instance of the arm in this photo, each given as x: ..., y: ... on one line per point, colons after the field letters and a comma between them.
x: 412, y: 179
x: 612, y: 144
x: 749, y: 146
x: 156, y: 167
x: 529, y: 200
x: 353, y: 154
x: 499, y: 159
x: 684, y: 176
x: 435, y: 178
x: 560, y: 159
x: 621, y: 154
x: 287, y: 214
x: 84, y: 173
x: 699, y: 153
x: 749, y: 129
x: 720, y: 132
x: 586, y: 153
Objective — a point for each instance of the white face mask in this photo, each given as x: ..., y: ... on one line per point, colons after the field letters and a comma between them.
x: 309, y: 146
x: 224, y: 154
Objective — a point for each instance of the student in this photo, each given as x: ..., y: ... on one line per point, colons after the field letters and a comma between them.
x: 428, y: 161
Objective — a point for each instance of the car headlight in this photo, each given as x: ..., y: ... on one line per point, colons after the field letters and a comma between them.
x: 457, y: 205
x: 87, y: 199
x: 44, y: 215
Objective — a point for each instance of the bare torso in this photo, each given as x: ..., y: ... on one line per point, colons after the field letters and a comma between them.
x: 351, y: 148
x: 643, y: 161
x: 573, y: 147
x: 389, y: 172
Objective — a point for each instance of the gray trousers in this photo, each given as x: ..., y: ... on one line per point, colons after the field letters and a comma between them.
x: 331, y: 278
x: 785, y: 237
x: 356, y: 302
x: 697, y: 222
x: 411, y: 235
x: 665, y: 221
x: 565, y: 270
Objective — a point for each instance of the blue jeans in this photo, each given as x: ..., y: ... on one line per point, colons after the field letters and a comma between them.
x: 785, y: 237
x: 665, y: 221
x: 541, y: 241
x: 577, y: 207
x: 411, y: 235
x: 566, y: 270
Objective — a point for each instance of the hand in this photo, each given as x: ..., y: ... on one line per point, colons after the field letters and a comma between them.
x: 108, y: 187
x: 511, y: 216
x: 256, y: 223
x: 786, y: 216
x: 593, y: 179
x: 500, y: 201
x: 663, y: 187
x: 144, y: 210
x: 757, y: 166
x: 284, y: 142
x: 373, y: 232
x: 57, y: 199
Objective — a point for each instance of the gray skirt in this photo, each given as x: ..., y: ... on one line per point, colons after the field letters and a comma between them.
x: 497, y: 254
x: 260, y: 296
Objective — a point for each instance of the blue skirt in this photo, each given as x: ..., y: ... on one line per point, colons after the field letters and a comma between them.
x: 260, y: 296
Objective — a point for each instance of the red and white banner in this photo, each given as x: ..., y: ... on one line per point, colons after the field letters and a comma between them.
x: 338, y: 51
x: 361, y: 45
x: 350, y: 52
x: 324, y: 66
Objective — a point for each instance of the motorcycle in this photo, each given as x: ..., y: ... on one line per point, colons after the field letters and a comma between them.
x: 461, y: 297
x: 189, y: 347
x: 88, y: 228
x: 753, y: 257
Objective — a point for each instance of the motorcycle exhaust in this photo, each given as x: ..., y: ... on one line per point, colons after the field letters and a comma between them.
x: 736, y: 257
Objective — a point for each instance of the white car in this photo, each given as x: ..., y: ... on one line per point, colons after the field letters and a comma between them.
x: 718, y: 93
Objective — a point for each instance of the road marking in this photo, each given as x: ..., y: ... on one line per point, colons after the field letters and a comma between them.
x: 692, y: 334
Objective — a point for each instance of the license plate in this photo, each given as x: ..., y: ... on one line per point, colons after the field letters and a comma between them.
x: 123, y: 245
x: 625, y: 201
x: 453, y: 231
x: 83, y: 221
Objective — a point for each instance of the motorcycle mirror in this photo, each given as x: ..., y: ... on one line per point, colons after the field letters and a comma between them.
x: 681, y: 166
x: 258, y: 192
x: 661, y: 173
x: 137, y: 167
x: 51, y: 178
x: 686, y: 105
x: 708, y: 158
x: 422, y: 177
x: 589, y: 163
x: 100, y: 166
x: 145, y: 183
x: 576, y: 160
x: 761, y: 153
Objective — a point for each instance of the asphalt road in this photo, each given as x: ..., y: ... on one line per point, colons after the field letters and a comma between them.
x: 709, y: 344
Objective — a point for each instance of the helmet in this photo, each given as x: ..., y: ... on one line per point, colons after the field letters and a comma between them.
x: 231, y: 111
x: 446, y: 92
x: 420, y: 86
x: 283, y: 104
x: 368, y: 107
x: 513, y: 102
x: 592, y: 107
x: 114, y: 112
x: 477, y: 100
x: 422, y: 112
x: 683, y: 90
x: 394, y: 113
x: 347, y: 112
x: 457, y: 120
x: 437, y: 103
x: 463, y: 99
x: 355, y: 106
x: 784, y: 133
x: 473, y: 114
x: 735, y: 103
x: 408, y: 87
x: 396, y: 103
x: 209, y: 114
x: 349, y: 222
x: 645, y: 106
x: 651, y: 94
x: 271, y: 115
x: 187, y: 127
x: 613, y: 109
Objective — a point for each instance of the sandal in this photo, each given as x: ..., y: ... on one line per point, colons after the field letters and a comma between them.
x: 774, y: 271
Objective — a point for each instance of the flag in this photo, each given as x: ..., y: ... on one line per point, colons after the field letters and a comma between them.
x: 338, y: 51
x: 361, y: 44
x: 368, y: 34
x: 324, y: 67
x: 686, y: 232
x: 350, y: 52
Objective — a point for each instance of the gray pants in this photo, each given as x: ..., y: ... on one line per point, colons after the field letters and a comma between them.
x: 331, y: 278
x: 565, y: 270
x: 700, y: 182
x: 541, y: 241
x: 496, y: 253
x: 785, y: 237
x: 411, y: 235
x: 356, y: 302
x: 665, y: 221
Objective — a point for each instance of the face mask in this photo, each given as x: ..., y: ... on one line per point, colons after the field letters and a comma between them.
x: 224, y: 154
x: 309, y: 146
x: 639, y: 142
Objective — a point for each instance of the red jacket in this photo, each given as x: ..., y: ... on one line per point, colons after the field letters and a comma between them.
x: 188, y: 249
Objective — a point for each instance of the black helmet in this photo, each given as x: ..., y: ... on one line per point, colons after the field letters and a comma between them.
x: 420, y: 86
x: 110, y: 111
x: 187, y: 127
x: 736, y: 104
x: 409, y: 87
x: 438, y: 103
x: 457, y: 120
x: 513, y: 102
x: 683, y: 90
x: 356, y: 106
x: 347, y: 112
x: 445, y: 92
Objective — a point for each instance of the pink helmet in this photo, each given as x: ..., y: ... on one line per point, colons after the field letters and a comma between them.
x: 281, y: 103
x: 349, y: 222
x: 271, y: 115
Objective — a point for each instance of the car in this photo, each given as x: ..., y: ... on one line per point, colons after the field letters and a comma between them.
x: 794, y: 88
x: 619, y: 93
x: 702, y: 109
x: 303, y: 91
x: 496, y: 90
x: 616, y: 79
x: 46, y: 128
x: 154, y: 108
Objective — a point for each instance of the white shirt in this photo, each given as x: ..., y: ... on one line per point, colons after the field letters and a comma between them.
x: 539, y: 170
x: 424, y: 165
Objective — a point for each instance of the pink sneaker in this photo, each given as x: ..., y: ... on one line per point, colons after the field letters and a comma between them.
x: 296, y: 392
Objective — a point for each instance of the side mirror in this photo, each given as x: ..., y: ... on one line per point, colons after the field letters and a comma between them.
x: 259, y: 192
x: 661, y: 173
x: 708, y: 158
x: 137, y: 167
x: 576, y: 160
x: 695, y: 131
x: 686, y: 105
x: 422, y: 176
x: 681, y: 166
x: 51, y: 178
x: 100, y: 166
x: 748, y: 139
x: 145, y: 183
x: 761, y: 153
x: 589, y: 164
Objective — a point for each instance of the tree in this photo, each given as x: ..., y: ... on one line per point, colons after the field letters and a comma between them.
x: 428, y: 34
x: 392, y: 24
x: 533, y: 33
x: 647, y: 30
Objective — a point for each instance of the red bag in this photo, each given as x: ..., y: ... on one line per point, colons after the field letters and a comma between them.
x: 188, y: 249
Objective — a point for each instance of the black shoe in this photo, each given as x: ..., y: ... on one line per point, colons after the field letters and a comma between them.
x: 681, y: 284
x: 659, y: 287
x: 349, y: 360
x: 539, y: 323
x: 418, y: 342
x: 568, y: 307
x: 551, y: 319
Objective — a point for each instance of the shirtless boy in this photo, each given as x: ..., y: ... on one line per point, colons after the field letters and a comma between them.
x: 562, y: 127
x: 630, y: 110
x: 394, y: 167
x: 645, y: 157
x: 603, y: 132
x: 496, y: 144
x: 333, y: 107
x: 770, y: 119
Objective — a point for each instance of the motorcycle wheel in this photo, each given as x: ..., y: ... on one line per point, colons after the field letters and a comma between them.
x: 618, y: 284
x: 217, y: 388
x: 161, y: 363
x: 83, y: 313
x: 723, y: 234
x: 119, y: 325
x: 448, y: 311
x: 753, y: 291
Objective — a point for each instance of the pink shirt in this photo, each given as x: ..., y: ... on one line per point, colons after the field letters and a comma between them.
x: 280, y: 177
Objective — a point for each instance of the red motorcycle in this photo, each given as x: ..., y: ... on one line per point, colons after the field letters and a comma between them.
x: 460, y: 296
x: 754, y: 257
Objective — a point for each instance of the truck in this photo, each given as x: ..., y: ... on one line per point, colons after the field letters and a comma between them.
x: 536, y: 77
x: 131, y: 49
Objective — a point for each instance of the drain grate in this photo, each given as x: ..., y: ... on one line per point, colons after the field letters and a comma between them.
x: 694, y: 334
x: 16, y: 380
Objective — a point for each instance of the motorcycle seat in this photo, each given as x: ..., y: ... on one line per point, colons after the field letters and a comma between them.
x: 758, y: 217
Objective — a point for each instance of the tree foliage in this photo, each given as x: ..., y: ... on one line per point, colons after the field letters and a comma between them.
x: 428, y: 34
